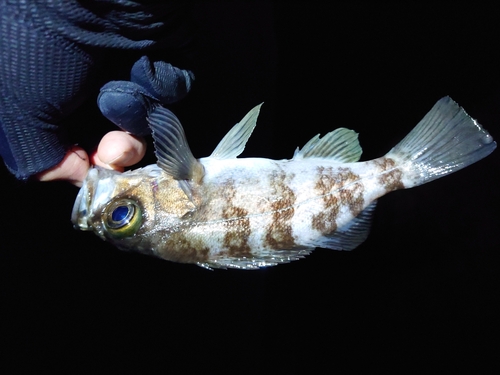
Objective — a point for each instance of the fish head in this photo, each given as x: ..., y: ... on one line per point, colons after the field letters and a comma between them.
x: 132, y: 210
x: 154, y: 210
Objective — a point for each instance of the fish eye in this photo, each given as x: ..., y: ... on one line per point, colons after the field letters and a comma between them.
x: 122, y: 218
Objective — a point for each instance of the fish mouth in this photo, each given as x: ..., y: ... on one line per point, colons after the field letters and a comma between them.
x: 81, y: 208
x: 96, y: 191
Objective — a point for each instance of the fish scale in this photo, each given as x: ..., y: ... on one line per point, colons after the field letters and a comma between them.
x: 225, y: 212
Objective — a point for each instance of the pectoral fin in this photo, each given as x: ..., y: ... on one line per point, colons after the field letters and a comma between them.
x: 171, y: 147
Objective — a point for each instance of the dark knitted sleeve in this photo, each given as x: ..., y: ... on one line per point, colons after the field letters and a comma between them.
x: 48, y: 53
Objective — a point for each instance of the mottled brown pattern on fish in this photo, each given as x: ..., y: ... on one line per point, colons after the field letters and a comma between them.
x: 167, y: 191
x: 237, y: 227
x: 330, y: 185
x: 352, y: 196
x: 183, y: 248
x: 279, y: 234
x: 392, y: 178
x: 325, y: 221
x: 236, y: 224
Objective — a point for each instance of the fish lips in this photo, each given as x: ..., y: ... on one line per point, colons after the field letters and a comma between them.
x: 81, y: 207
x: 96, y: 190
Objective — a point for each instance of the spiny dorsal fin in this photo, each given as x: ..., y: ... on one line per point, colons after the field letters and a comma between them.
x: 233, y: 143
x: 339, y: 145
x: 171, y: 147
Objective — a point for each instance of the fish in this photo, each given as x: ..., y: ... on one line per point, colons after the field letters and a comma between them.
x: 222, y: 211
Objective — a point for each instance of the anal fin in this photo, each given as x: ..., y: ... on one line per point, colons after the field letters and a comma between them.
x: 265, y: 259
x: 352, y: 234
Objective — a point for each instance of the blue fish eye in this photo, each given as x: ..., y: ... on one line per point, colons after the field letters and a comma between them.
x: 120, y: 213
x: 122, y: 218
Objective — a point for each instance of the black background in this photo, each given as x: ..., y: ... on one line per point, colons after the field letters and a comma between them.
x: 421, y: 293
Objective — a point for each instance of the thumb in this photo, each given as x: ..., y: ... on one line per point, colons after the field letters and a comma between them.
x: 72, y: 168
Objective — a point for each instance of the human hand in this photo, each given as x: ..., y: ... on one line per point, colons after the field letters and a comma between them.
x: 74, y: 57
x: 116, y: 150
x: 125, y: 103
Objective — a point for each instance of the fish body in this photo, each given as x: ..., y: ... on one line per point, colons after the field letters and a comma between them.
x: 225, y: 212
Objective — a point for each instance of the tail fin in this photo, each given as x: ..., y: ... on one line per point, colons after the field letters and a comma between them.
x: 446, y: 140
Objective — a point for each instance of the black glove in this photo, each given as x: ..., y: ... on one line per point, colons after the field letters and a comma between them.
x: 52, y: 56
x: 127, y: 103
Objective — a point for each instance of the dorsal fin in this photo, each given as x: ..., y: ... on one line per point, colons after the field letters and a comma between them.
x: 339, y: 145
x: 171, y: 147
x: 233, y: 143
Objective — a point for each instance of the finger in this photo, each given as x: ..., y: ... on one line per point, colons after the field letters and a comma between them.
x: 118, y: 149
x: 161, y: 80
x: 72, y: 168
x: 125, y: 104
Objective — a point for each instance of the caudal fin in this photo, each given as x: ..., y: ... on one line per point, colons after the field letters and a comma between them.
x: 446, y: 140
